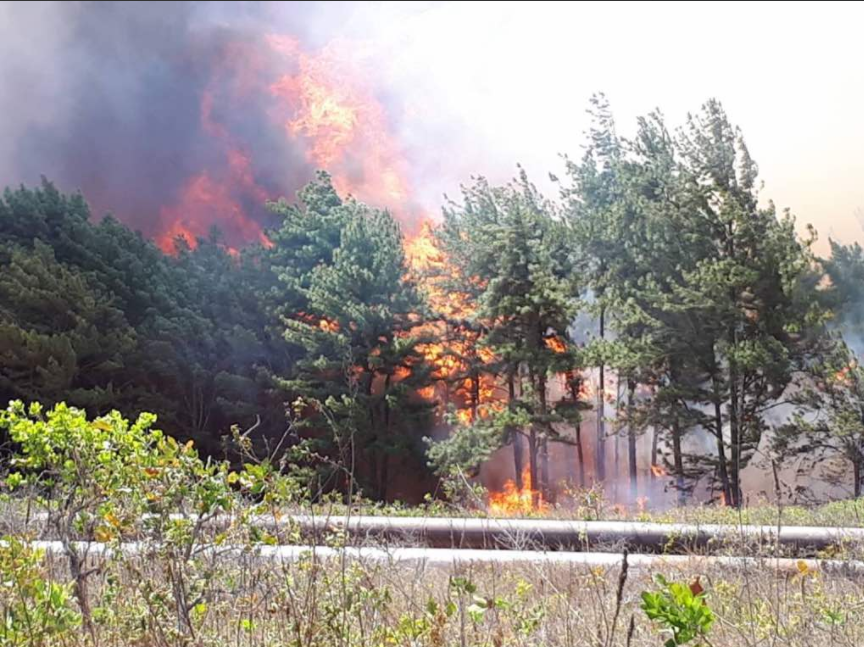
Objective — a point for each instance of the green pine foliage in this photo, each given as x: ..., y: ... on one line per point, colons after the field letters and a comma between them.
x: 708, y: 307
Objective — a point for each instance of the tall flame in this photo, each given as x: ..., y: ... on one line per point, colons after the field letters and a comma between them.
x: 326, y: 105
x: 458, y: 346
x: 320, y: 102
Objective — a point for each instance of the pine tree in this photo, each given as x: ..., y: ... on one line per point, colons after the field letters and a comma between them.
x: 752, y: 286
x: 60, y: 337
x: 593, y: 203
x: 507, y: 240
x: 360, y: 361
x: 829, y: 420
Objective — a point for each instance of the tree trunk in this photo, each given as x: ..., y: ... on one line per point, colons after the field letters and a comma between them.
x: 533, y: 448
x: 475, y: 394
x: 545, y: 488
x: 600, y: 455
x: 735, y: 429
x: 543, y: 484
x: 580, y: 455
x: 653, y: 452
x: 517, y: 436
x: 721, y: 447
x: 518, y: 465
x: 735, y: 439
x: 631, y: 442
x: 616, y: 475
x: 371, y: 476
x: 856, y: 469
x: 384, y: 476
x: 532, y: 466
x: 678, y: 458
x: 79, y: 587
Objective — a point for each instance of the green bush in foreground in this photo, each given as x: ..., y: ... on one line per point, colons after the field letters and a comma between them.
x: 108, y: 479
x: 33, y: 609
x: 679, y: 608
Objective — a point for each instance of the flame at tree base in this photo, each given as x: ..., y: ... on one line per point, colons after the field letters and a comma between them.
x: 512, y: 500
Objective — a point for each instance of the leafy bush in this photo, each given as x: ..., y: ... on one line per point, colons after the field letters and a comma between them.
x: 679, y: 608
x: 33, y: 609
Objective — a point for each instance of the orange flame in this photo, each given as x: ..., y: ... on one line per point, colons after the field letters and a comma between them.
x: 843, y: 375
x: 458, y: 347
x: 326, y: 104
x: 511, y: 500
x: 555, y: 344
x: 658, y: 471
x: 328, y: 326
x: 216, y: 196
x: 203, y: 203
x: 464, y: 416
x: 321, y: 101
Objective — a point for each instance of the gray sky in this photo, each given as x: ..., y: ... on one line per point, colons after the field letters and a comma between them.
x: 470, y: 88
x: 489, y: 85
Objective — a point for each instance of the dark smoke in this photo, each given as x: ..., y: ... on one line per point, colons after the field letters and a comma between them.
x: 107, y: 98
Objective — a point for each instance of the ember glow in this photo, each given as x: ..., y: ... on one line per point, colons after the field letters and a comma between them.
x: 843, y: 375
x: 658, y: 471
x: 512, y: 501
x: 555, y: 344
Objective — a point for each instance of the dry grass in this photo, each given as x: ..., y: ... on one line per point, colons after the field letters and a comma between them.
x: 245, y: 601
x: 162, y: 599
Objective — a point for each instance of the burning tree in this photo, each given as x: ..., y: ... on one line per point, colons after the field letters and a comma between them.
x: 360, y: 366
x: 829, y: 422
x: 507, y: 242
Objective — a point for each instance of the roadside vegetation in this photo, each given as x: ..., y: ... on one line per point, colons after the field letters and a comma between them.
x: 151, y: 574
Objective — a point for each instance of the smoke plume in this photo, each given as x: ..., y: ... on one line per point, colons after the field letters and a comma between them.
x: 179, y: 117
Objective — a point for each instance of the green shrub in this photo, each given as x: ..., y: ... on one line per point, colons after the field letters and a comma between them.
x: 679, y: 608
x: 34, y: 610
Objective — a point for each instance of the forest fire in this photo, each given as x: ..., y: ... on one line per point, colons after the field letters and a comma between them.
x: 512, y: 500
x: 556, y: 345
x: 325, y: 106
x: 265, y: 112
x: 312, y: 104
x: 658, y: 471
x: 453, y: 356
x: 319, y: 104
x: 328, y: 326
